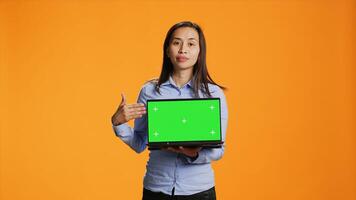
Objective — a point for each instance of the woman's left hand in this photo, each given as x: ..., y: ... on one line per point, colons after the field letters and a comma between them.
x: 188, y: 151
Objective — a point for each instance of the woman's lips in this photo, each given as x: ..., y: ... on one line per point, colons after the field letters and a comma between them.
x: 181, y: 59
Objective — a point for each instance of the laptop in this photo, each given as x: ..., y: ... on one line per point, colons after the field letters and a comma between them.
x: 184, y: 122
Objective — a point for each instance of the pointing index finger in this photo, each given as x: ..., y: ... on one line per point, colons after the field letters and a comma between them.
x: 136, y: 105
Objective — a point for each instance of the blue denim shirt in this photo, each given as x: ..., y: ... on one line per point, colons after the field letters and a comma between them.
x: 165, y: 169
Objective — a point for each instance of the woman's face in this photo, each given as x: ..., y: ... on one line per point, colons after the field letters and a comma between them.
x: 183, y: 49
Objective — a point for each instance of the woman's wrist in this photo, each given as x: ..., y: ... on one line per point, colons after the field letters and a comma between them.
x: 194, y: 157
x: 115, y: 122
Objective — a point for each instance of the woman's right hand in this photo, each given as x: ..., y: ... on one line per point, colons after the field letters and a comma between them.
x: 127, y: 112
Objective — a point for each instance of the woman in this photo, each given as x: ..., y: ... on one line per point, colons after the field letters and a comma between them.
x: 175, y: 173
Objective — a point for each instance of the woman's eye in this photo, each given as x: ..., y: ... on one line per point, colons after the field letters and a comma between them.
x: 175, y: 43
x: 191, y: 44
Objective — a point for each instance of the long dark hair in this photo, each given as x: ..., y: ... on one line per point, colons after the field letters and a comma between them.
x: 201, y: 76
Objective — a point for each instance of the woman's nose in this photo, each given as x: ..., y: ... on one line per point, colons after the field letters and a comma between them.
x: 182, y: 49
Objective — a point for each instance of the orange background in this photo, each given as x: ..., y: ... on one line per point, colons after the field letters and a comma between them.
x: 289, y: 67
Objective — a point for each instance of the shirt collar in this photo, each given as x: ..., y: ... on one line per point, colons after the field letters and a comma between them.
x: 170, y: 81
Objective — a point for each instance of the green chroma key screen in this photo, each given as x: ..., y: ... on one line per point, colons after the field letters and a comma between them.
x: 184, y: 120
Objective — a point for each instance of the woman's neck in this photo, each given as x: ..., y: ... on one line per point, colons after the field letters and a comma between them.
x: 182, y: 77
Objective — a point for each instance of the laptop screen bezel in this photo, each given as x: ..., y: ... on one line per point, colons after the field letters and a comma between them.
x: 185, y: 143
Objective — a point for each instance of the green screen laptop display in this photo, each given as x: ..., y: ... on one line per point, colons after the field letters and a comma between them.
x: 184, y: 120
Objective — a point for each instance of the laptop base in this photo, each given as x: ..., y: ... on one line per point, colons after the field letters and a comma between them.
x: 203, y: 146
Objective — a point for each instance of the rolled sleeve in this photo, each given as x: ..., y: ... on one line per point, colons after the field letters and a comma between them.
x: 122, y: 130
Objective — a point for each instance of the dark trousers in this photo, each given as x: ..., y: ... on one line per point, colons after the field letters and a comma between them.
x: 205, y: 195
